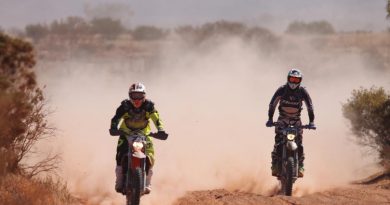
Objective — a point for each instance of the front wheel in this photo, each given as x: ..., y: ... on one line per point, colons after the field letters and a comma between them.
x: 289, y: 181
x: 133, y: 197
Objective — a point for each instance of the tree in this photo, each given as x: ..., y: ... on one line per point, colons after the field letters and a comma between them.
x: 72, y: 26
x: 107, y: 27
x: 148, y: 33
x: 22, y: 110
x: 221, y: 28
x: 368, y: 111
x: 36, y: 31
x: 388, y: 8
x: 316, y: 27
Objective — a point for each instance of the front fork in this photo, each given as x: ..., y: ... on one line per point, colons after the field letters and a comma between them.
x: 283, y: 162
x: 134, y: 163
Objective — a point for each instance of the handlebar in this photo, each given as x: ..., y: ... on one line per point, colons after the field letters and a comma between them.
x: 156, y: 135
x: 309, y: 127
x: 159, y: 135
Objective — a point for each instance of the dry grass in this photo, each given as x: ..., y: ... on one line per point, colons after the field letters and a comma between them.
x: 18, y: 190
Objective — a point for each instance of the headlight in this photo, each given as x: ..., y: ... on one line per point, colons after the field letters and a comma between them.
x: 137, y: 146
x: 290, y: 136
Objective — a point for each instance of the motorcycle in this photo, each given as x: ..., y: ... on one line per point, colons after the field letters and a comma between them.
x: 136, y: 165
x: 288, y: 165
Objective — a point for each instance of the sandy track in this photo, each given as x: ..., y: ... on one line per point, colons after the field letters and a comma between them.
x: 354, y: 194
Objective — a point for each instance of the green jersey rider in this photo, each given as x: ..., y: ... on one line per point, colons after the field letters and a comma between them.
x: 131, y: 115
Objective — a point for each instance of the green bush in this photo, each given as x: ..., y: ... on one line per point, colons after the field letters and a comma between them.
x: 368, y: 111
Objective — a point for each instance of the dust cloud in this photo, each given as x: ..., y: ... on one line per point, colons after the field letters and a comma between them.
x: 214, y: 105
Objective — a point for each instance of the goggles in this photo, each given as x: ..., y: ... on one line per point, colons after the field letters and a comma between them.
x: 294, y: 79
x: 137, y: 96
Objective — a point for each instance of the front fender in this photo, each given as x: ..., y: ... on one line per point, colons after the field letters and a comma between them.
x: 291, y: 145
x: 140, y: 155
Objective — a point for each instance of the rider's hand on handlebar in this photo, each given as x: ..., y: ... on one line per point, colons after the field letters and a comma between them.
x: 114, y: 132
x: 161, y: 135
x: 269, y: 123
x: 312, y: 126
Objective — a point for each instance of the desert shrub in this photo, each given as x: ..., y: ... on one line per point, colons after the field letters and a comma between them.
x: 316, y: 27
x: 36, y: 31
x: 211, y: 31
x: 368, y: 111
x: 22, y: 110
x: 224, y: 28
x: 72, y: 26
x: 107, y: 27
x: 17, y: 189
x: 148, y: 33
x: 214, y: 33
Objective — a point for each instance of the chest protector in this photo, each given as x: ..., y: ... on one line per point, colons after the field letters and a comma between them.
x: 290, y: 104
x: 137, y: 118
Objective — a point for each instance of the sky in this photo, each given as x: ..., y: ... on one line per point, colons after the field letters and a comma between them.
x: 344, y: 15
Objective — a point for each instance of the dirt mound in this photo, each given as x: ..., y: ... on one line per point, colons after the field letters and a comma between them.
x: 364, y: 193
x: 375, y: 178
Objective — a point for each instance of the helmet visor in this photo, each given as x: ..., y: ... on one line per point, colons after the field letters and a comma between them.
x: 137, y: 96
x: 292, y: 79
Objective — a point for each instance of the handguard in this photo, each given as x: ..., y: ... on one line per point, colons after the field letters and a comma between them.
x: 161, y: 135
x: 115, y: 132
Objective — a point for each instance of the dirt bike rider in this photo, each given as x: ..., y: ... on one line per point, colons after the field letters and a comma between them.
x: 290, y: 97
x: 134, y: 114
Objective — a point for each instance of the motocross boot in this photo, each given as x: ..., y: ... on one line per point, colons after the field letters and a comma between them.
x: 275, y: 170
x: 148, y: 186
x: 119, y: 179
x: 301, y: 168
x: 301, y: 171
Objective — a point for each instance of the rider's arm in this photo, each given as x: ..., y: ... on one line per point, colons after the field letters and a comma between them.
x: 120, y: 111
x: 274, y: 101
x: 156, y: 120
x: 153, y: 114
x: 309, y: 104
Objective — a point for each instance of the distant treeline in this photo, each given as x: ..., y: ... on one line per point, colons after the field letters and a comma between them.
x: 76, y: 26
x: 316, y: 27
x: 109, y: 28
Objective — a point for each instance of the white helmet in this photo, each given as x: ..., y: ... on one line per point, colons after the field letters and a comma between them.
x: 137, y: 94
x: 137, y: 88
x: 294, y: 78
